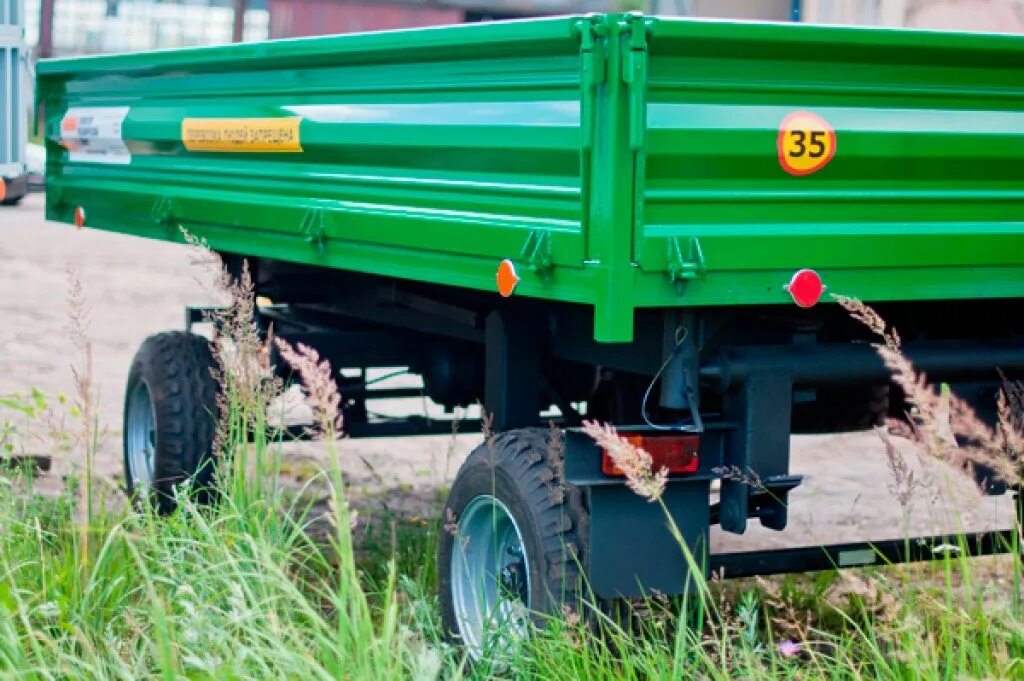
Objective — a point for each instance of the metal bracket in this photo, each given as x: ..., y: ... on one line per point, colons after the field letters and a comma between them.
x: 313, y: 229
x: 686, y: 264
x: 199, y: 315
x: 53, y: 132
x: 536, y: 251
x: 163, y: 211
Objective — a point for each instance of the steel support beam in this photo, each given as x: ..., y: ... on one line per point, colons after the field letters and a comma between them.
x: 512, y: 377
x: 860, y: 554
x: 839, y: 363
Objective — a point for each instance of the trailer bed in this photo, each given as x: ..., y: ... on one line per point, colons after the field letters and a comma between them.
x: 617, y: 161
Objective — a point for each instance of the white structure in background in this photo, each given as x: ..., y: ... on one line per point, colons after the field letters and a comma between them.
x: 99, y: 26
x: 13, y: 102
x: 998, y: 16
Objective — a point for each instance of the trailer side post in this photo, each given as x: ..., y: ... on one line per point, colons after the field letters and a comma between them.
x: 512, y: 377
x: 612, y: 184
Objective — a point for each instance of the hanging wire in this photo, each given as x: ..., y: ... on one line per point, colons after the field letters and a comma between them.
x: 647, y: 394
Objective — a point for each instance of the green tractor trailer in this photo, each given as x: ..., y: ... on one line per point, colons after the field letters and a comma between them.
x: 637, y: 220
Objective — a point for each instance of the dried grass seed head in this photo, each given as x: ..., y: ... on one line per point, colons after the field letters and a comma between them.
x: 319, y: 384
x: 940, y: 418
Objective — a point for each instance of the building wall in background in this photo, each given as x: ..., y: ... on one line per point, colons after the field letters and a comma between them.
x: 93, y: 26
x: 1004, y: 16
x: 290, y: 18
x: 764, y: 10
x: 862, y: 12
x: 1001, y: 16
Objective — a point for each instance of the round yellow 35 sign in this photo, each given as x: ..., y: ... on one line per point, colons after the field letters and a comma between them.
x: 806, y: 143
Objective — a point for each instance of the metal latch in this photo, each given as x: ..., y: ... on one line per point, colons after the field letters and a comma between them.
x: 536, y: 251
x: 685, y: 263
x: 313, y: 229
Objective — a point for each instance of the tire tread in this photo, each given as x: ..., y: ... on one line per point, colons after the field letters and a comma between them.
x: 178, y: 367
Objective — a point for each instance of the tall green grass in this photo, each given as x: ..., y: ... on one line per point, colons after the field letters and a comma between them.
x: 90, y: 588
x: 239, y: 591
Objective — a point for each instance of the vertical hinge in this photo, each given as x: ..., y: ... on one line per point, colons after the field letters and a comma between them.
x: 684, y: 263
x: 593, y: 72
x: 634, y: 75
x: 313, y: 229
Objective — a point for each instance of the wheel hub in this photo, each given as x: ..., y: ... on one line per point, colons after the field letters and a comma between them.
x: 513, y: 575
x: 490, y: 577
x: 140, y: 437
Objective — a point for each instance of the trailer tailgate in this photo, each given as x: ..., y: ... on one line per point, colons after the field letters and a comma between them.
x: 919, y: 193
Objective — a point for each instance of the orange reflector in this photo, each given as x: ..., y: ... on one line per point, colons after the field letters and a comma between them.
x: 507, y: 278
x: 79, y: 217
x: 3, y: 189
x: 677, y: 453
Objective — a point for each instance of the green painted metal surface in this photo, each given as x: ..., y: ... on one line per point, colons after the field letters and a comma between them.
x: 621, y: 161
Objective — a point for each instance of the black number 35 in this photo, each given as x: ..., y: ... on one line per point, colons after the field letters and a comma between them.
x: 816, y: 147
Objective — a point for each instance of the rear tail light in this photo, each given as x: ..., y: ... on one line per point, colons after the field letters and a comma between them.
x: 675, y: 452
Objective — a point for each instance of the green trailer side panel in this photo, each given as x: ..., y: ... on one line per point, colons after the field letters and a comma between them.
x: 428, y: 154
x: 621, y: 161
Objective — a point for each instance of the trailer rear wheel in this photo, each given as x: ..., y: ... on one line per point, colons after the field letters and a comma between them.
x: 170, y: 418
x: 510, y: 551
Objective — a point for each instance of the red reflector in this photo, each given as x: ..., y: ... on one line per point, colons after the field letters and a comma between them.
x: 677, y: 453
x: 805, y: 288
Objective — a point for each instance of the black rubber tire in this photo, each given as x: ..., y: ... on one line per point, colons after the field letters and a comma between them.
x: 12, y: 201
x: 177, y: 368
x: 517, y: 468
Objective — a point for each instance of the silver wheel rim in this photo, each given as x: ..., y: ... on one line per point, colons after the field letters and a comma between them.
x: 140, y: 437
x: 490, y: 578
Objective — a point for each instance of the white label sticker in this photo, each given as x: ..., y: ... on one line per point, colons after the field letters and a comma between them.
x: 93, y: 135
x: 857, y: 557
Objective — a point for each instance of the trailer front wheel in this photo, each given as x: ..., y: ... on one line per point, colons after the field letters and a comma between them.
x: 170, y: 417
x: 510, y: 552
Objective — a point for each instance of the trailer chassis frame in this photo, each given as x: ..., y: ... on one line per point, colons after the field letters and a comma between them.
x: 864, y: 554
x: 745, y: 426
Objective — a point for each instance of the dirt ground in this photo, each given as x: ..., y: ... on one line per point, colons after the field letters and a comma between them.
x: 135, y: 287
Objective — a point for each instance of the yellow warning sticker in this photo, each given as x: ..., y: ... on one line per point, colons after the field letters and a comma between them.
x: 806, y: 143
x: 242, y: 135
